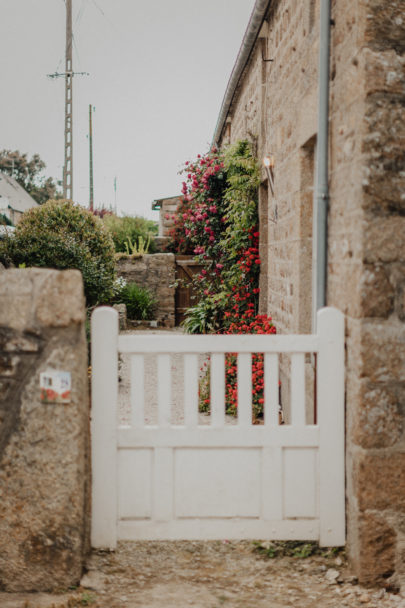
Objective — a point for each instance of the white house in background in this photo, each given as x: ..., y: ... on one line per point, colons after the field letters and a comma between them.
x: 14, y: 200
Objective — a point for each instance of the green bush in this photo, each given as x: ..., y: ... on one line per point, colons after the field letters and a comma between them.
x: 60, y: 234
x: 4, y: 220
x: 139, y: 301
x: 127, y: 229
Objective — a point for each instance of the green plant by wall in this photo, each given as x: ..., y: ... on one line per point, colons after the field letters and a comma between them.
x: 140, y: 302
x: 137, y: 248
x: 4, y: 220
x: 61, y: 234
x: 218, y: 221
x: 132, y: 228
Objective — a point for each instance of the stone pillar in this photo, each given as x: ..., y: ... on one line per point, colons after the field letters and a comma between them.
x: 44, y: 446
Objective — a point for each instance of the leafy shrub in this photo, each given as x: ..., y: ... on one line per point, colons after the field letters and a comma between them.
x: 218, y: 221
x: 128, y: 229
x: 140, y: 302
x: 60, y: 234
x: 4, y: 220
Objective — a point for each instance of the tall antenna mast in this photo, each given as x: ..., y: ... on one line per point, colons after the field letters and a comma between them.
x: 68, y: 167
x: 91, y: 202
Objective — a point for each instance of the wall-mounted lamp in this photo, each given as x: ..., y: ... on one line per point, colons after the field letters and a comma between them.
x: 268, y: 163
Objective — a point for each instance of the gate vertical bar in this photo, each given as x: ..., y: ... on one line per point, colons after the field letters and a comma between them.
x: 104, y: 361
x: 330, y: 394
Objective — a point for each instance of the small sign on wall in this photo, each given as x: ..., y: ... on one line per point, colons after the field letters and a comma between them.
x: 55, y: 386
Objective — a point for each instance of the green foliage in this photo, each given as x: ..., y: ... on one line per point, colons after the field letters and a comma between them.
x: 132, y: 228
x: 218, y: 221
x: 28, y: 174
x: 205, y: 316
x: 139, y: 301
x: 140, y: 248
x: 286, y: 548
x: 60, y: 234
x: 4, y: 220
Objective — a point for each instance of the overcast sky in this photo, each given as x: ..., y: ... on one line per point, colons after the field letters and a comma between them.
x: 158, y: 73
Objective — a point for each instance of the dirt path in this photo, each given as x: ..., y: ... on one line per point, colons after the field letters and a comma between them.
x: 215, y: 574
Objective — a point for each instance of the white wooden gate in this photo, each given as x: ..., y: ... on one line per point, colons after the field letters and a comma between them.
x: 218, y: 481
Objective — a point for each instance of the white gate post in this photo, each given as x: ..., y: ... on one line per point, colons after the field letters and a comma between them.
x: 331, y: 420
x: 104, y: 361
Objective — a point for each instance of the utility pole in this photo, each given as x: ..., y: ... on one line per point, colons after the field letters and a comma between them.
x: 115, y: 195
x: 68, y: 74
x: 91, y: 203
x: 68, y: 168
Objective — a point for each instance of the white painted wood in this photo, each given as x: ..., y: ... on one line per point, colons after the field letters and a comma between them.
x: 228, y: 436
x: 217, y: 390
x: 330, y: 399
x: 299, y: 472
x: 164, y: 380
x: 104, y: 363
x: 163, y: 485
x: 298, y: 389
x: 272, y: 484
x: 227, y: 485
x: 244, y: 389
x: 219, y: 529
x: 247, y: 343
x: 218, y: 481
x: 137, y: 376
x: 135, y: 474
x: 190, y: 390
x: 271, y: 391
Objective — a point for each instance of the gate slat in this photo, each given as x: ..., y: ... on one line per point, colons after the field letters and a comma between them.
x: 272, y: 484
x: 270, y: 389
x: 244, y: 389
x: 164, y: 389
x: 137, y: 375
x: 298, y: 389
x: 190, y: 390
x: 217, y: 389
x: 163, y: 485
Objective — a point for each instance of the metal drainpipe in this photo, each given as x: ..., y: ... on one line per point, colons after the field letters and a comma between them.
x: 321, y: 194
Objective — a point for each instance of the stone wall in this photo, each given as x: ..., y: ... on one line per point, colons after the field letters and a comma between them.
x: 44, y: 447
x: 367, y: 256
x: 275, y: 107
x: 157, y: 273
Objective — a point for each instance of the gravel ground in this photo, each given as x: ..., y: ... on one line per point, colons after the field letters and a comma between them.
x: 215, y: 574
x: 212, y: 574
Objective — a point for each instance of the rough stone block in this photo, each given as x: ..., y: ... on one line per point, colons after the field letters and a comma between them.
x: 377, y: 421
x: 380, y: 481
x: 383, y: 351
x: 377, y: 544
x: 384, y: 240
x: 384, y: 145
x: 385, y: 25
x: 44, y: 446
x: 60, y: 299
x: 377, y: 293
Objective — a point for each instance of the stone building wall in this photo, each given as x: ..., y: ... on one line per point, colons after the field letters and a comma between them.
x: 275, y: 106
x: 44, y: 447
x: 156, y: 272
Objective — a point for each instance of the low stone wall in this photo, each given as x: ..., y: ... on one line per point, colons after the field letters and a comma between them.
x: 157, y: 273
x: 44, y: 445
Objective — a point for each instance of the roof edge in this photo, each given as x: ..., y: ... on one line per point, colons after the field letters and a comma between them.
x: 248, y: 42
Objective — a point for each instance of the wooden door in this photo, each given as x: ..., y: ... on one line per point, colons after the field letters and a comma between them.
x: 186, y: 268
